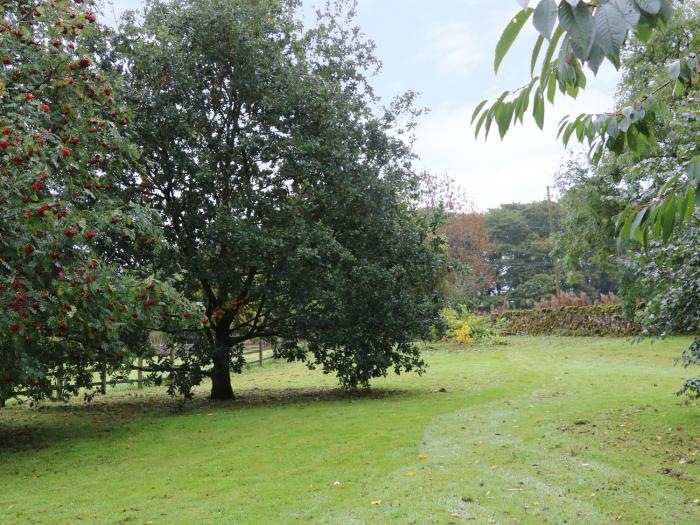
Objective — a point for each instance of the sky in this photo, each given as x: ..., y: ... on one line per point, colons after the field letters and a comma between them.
x: 443, y: 49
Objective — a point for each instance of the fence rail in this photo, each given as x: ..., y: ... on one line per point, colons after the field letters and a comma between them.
x: 257, y: 349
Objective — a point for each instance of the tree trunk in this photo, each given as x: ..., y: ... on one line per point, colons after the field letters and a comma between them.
x: 221, y: 389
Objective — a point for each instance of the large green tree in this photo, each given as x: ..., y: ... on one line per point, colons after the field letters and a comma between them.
x: 287, y: 198
x: 661, y: 270
x: 66, y: 307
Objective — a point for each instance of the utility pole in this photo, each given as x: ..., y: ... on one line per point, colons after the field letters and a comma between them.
x: 550, y: 215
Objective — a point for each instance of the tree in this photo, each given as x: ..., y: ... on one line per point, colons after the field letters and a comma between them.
x: 469, y: 245
x: 66, y: 307
x: 646, y: 151
x: 585, y: 34
x: 657, y: 277
x: 522, y: 247
x: 287, y: 200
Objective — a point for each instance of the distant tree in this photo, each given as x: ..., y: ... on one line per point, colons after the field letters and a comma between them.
x: 66, y: 307
x: 522, y: 247
x: 469, y: 245
x: 444, y: 192
x: 287, y: 199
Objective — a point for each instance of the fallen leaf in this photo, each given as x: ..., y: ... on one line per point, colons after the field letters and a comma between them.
x: 376, y: 502
x: 410, y: 474
x: 423, y: 457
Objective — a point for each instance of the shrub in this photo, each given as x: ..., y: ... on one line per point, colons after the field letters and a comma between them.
x: 594, y: 320
x: 464, y: 327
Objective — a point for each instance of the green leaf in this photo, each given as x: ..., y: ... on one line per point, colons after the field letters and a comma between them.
x: 650, y: 6
x: 480, y: 123
x: 694, y: 170
x: 595, y: 59
x: 545, y: 18
x: 504, y: 114
x: 552, y: 87
x: 477, y: 110
x: 668, y: 217
x: 538, y: 110
x: 629, y: 12
x: 509, y: 35
x: 578, y: 23
x: 610, y: 28
x: 547, y: 63
x: 535, y: 54
x: 637, y: 223
x: 674, y: 70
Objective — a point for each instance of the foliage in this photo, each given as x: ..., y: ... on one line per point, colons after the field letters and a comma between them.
x: 469, y: 247
x: 669, y: 279
x: 287, y: 199
x: 596, y: 320
x: 586, y: 34
x: 520, y: 234
x: 657, y: 274
x: 464, y: 327
x: 67, y: 307
x: 576, y: 299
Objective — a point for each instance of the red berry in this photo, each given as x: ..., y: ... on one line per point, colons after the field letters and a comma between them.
x: 6, y: 131
x: 115, y: 219
x: 90, y: 235
x: 66, y: 152
x: 4, y: 144
x: 42, y: 211
x: 14, y: 328
x: 84, y: 62
x: 29, y: 96
x: 70, y: 232
x: 150, y: 302
x: 45, y: 108
x: 29, y: 250
x: 187, y: 315
x: 55, y: 255
x: 37, y: 186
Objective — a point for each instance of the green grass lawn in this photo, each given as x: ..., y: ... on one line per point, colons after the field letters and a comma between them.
x: 544, y: 430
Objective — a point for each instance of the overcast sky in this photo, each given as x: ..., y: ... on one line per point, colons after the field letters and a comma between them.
x: 443, y: 50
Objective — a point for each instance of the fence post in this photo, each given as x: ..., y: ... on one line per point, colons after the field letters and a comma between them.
x: 103, y: 380
x: 260, y: 350
x: 140, y: 373
x: 59, y: 383
x: 2, y: 401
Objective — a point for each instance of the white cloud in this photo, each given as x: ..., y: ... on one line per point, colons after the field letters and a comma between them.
x: 453, y: 48
x: 519, y: 168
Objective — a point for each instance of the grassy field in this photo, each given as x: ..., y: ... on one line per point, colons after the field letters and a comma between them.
x: 544, y: 430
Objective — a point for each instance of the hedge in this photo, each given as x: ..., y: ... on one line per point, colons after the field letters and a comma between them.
x: 597, y: 320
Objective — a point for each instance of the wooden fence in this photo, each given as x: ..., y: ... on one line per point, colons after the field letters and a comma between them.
x: 250, y: 349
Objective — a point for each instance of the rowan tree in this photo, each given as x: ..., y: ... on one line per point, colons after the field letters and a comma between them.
x: 66, y: 307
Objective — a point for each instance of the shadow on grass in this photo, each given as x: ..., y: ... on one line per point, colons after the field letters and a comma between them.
x: 25, y: 428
